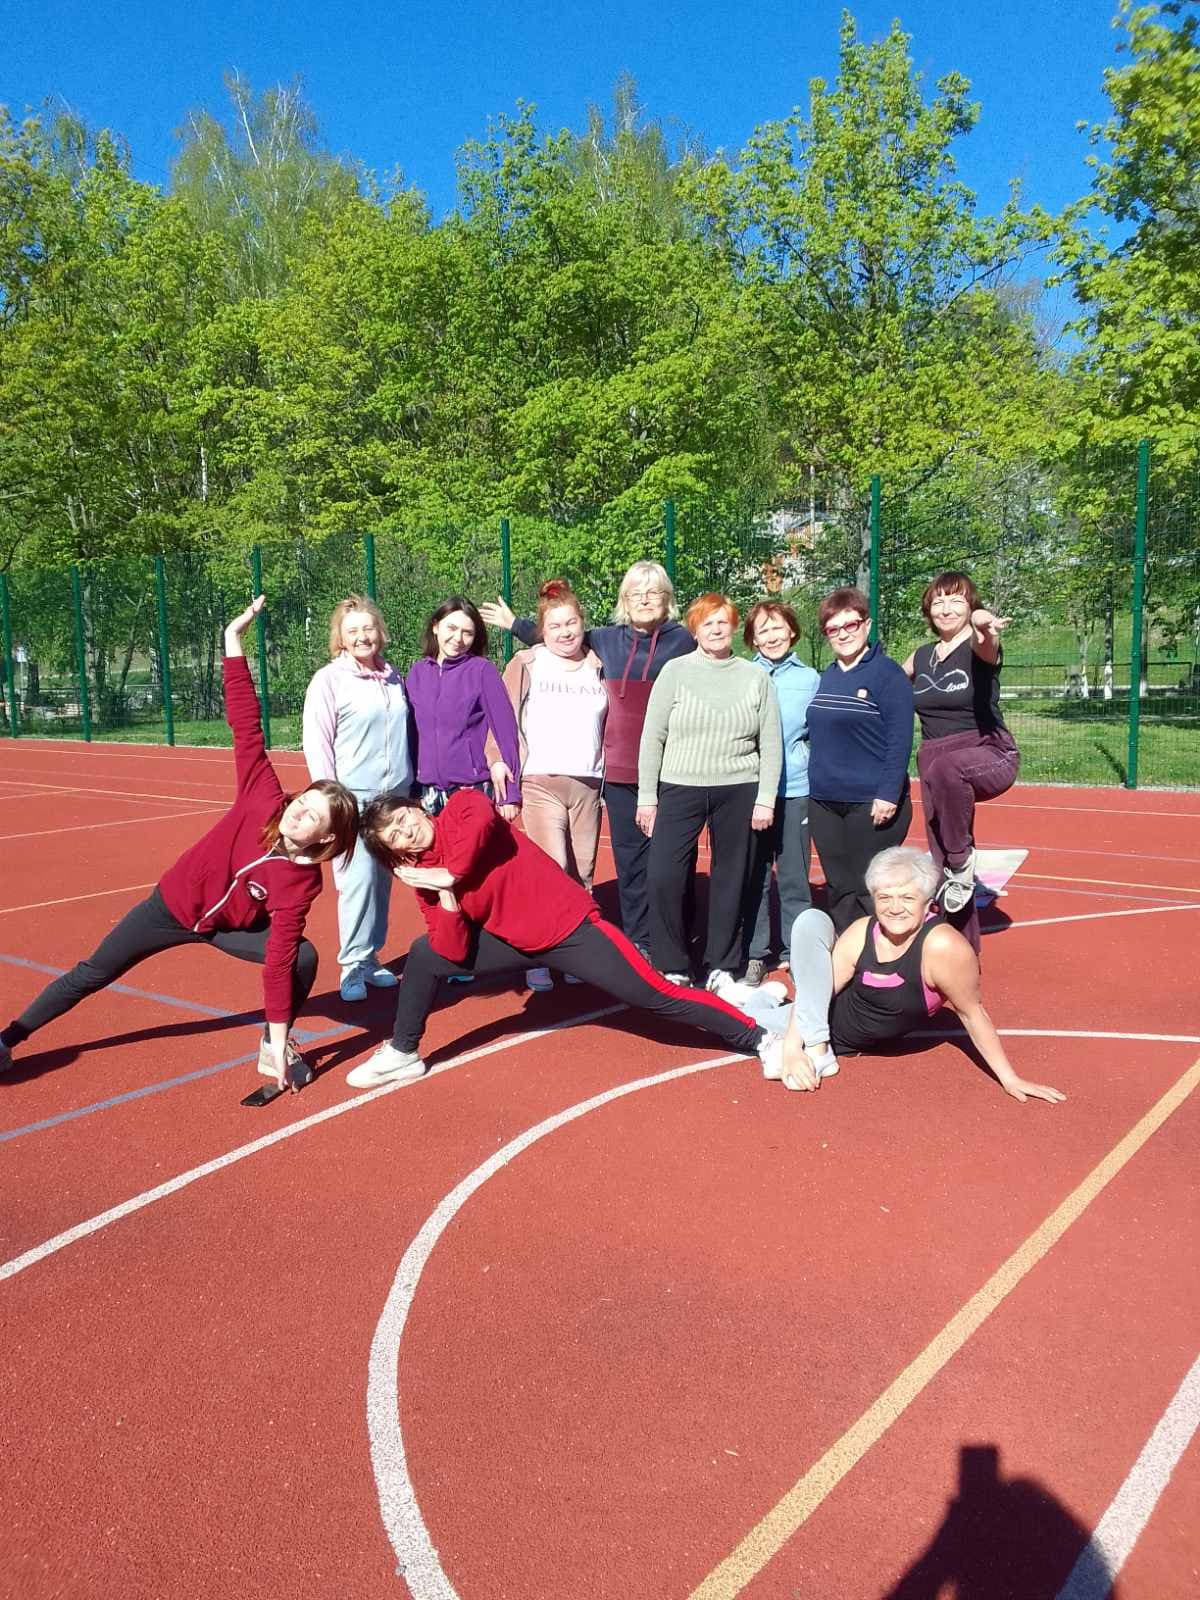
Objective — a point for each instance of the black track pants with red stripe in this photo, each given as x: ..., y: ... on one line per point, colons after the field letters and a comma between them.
x: 596, y: 952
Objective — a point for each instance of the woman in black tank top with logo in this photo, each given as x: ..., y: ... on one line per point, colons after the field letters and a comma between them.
x: 886, y: 975
x: 966, y: 754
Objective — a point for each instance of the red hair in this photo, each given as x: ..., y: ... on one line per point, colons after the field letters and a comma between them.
x: 705, y: 606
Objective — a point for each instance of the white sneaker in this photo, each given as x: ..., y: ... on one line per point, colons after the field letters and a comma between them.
x: 387, y: 1065
x: 958, y: 886
x: 539, y: 978
x: 353, y: 985
x: 299, y: 1071
x: 717, y: 980
x: 380, y: 977
x: 770, y: 1053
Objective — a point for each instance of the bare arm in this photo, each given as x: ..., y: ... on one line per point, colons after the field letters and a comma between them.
x: 951, y: 966
x: 986, y: 629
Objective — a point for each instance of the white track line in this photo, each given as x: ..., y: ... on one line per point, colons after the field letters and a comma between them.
x: 1112, y: 883
x: 122, y: 794
x: 1118, y: 1530
x: 82, y: 1230
x: 1095, y: 916
x: 1091, y: 811
x: 92, y: 827
x: 416, y: 1559
x: 70, y: 899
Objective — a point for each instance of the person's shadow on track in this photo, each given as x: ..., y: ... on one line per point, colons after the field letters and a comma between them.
x: 1002, y: 1539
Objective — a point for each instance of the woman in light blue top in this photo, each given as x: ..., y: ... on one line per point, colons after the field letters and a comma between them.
x: 772, y: 629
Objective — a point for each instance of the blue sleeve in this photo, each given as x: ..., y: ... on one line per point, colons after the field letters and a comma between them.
x: 894, y: 695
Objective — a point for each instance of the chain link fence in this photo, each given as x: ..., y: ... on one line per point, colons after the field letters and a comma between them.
x: 1096, y: 560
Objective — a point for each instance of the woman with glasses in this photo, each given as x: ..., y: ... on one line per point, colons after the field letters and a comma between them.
x: 860, y: 725
x: 644, y: 635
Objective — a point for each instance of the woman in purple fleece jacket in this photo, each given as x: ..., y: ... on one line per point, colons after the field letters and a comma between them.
x: 456, y: 696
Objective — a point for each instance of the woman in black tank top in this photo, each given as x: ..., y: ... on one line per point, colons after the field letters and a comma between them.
x: 884, y: 976
x: 966, y: 754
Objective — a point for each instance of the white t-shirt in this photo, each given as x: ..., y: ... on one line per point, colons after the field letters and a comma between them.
x: 563, y: 719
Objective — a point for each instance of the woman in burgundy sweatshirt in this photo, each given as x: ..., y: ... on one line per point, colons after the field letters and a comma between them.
x: 245, y: 887
x: 493, y: 902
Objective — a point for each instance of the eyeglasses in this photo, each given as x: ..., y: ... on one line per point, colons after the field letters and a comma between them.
x: 644, y: 594
x: 834, y: 630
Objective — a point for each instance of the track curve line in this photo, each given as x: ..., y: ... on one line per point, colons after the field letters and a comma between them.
x: 416, y: 1559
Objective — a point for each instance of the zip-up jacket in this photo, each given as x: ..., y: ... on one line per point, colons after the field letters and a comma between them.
x: 455, y: 702
x: 356, y: 728
x: 860, y: 727
x: 227, y: 879
x: 632, y: 660
x: 795, y: 684
x: 504, y: 883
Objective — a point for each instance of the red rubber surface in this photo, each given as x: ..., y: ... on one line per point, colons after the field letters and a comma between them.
x: 637, y: 1336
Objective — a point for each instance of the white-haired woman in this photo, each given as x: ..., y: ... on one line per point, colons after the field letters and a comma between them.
x: 644, y: 635
x: 887, y: 974
x: 356, y: 729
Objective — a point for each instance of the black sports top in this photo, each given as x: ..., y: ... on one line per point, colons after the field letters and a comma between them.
x: 960, y: 694
x: 883, y: 999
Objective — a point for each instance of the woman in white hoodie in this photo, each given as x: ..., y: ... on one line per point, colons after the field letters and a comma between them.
x: 357, y: 730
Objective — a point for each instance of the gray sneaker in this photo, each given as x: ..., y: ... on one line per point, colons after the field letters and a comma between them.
x: 958, y: 886
x: 756, y: 971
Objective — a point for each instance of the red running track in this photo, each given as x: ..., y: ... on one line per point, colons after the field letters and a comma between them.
x: 629, y: 1346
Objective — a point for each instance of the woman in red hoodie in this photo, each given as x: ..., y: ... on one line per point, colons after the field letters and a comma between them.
x: 493, y: 902
x: 245, y: 887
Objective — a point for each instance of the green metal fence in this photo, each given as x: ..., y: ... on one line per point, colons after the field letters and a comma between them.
x: 1096, y: 560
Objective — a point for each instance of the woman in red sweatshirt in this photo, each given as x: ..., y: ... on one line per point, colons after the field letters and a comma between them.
x: 493, y: 902
x: 245, y: 887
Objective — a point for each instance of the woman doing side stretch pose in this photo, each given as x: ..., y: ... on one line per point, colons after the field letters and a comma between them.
x: 887, y: 974
x: 244, y: 888
x: 493, y: 902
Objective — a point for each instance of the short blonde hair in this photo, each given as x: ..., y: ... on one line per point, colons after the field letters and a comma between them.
x: 354, y: 602
x: 643, y: 575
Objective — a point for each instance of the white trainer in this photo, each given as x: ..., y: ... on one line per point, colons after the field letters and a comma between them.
x: 353, y: 985
x: 380, y: 977
x: 387, y: 1065
x: 539, y: 978
x: 770, y: 1053
x: 958, y: 886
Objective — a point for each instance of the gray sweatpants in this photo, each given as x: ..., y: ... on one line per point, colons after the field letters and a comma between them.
x: 813, y: 939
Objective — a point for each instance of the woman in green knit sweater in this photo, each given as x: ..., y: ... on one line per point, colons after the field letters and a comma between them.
x: 711, y: 753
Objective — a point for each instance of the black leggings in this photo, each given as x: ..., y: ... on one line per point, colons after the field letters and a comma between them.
x: 846, y: 840
x: 143, y: 932
x: 596, y: 952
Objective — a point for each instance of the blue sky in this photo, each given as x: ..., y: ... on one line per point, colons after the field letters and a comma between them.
x: 406, y: 84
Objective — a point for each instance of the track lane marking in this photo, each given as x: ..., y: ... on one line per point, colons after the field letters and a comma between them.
x: 1092, y: 916
x: 68, y: 900
x: 1106, y: 1552
x: 1114, y: 883
x: 83, y: 1230
x: 92, y: 827
x: 772, y: 1532
x: 120, y: 794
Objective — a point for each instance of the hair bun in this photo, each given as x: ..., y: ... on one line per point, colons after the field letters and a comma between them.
x: 554, y: 589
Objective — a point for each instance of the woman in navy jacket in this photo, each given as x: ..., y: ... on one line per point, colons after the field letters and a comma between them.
x: 860, y: 726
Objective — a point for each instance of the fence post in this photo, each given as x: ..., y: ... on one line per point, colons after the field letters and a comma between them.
x: 1139, y: 599
x: 85, y: 701
x: 506, y: 579
x: 369, y: 550
x: 264, y: 688
x: 873, y: 569
x: 164, y: 647
x: 669, y: 538
x: 9, y: 675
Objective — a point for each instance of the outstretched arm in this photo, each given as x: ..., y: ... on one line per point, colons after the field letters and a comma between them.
x: 953, y: 969
x: 986, y: 629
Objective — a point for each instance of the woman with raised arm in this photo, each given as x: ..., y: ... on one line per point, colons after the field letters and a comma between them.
x: 245, y: 888
x: 886, y: 975
x: 644, y: 635
x: 860, y: 728
x: 458, y: 700
x: 560, y: 704
x: 711, y: 756
x: 356, y: 729
x: 967, y: 754
x: 493, y: 903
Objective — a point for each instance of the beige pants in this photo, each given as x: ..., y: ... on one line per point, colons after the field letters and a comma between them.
x: 562, y: 817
